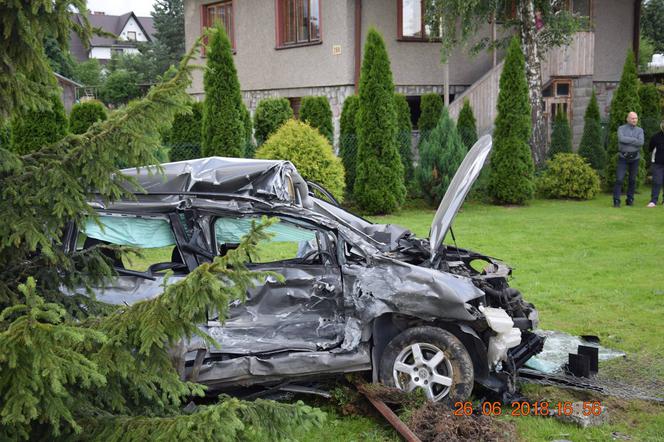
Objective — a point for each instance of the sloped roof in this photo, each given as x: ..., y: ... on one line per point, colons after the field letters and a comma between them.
x: 109, y: 23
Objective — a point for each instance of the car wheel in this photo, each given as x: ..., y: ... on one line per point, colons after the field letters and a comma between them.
x: 431, y: 359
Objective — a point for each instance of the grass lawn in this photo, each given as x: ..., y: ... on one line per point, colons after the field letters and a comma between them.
x: 590, y: 269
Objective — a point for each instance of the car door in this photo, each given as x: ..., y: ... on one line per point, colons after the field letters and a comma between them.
x: 302, y: 313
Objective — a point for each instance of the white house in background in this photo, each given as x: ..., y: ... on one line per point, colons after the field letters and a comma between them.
x: 657, y: 61
x: 128, y: 29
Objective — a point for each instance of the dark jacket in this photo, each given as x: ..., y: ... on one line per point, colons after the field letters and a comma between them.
x: 657, y: 145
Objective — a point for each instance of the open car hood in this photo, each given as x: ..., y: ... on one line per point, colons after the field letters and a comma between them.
x: 456, y: 193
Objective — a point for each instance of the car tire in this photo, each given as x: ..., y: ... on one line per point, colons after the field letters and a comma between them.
x: 429, y: 358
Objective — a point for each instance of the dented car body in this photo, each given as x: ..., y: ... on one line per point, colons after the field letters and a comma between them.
x: 356, y: 296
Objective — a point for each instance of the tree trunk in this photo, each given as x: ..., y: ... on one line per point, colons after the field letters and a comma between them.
x: 534, y: 76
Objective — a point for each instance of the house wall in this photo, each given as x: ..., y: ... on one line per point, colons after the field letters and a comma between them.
x: 132, y: 25
x: 101, y: 53
x: 613, y: 21
x: 418, y: 63
x: 260, y: 66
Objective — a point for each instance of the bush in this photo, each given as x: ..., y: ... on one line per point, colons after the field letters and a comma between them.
x: 88, y: 72
x: 651, y: 112
x: 270, y: 115
x: 249, y: 146
x: 310, y: 152
x: 404, y: 136
x: 431, y: 106
x: 568, y: 175
x: 223, y: 131
x: 185, y: 135
x: 441, y: 153
x: 84, y: 115
x: 316, y: 112
x: 591, y: 148
x: 348, y: 139
x: 561, y: 135
x: 466, y: 125
x: 35, y: 129
x: 511, y: 178
x: 379, y: 184
x: 119, y: 88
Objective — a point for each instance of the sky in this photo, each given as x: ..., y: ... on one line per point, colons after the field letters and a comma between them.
x: 142, y: 8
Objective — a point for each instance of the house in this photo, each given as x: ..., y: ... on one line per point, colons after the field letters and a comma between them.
x: 296, y: 48
x: 128, y: 30
x: 69, y: 88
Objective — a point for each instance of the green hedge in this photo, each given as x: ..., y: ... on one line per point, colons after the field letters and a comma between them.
x: 185, y: 134
x: 270, y: 115
x: 83, y: 115
x: 568, y: 175
x: 348, y: 139
x: 317, y: 113
x: 310, y: 152
x: 33, y: 130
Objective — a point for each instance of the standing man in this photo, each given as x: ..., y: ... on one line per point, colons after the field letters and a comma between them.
x: 630, y: 140
x: 656, y: 148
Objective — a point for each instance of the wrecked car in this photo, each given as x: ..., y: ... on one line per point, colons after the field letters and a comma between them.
x: 357, y: 296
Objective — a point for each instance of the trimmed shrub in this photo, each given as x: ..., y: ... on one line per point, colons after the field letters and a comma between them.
x: 511, y: 176
x: 310, y: 152
x: 317, y: 113
x: 185, y: 134
x: 431, y: 106
x: 84, y: 115
x: 625, y: 100
x: 348, y: 139
x: 119, y: 88
x: 223, y: 132
x: 35, y: 129
x: 466, y: 125
x: 249, y: 146
x: 441, y: 153
x: 404, y: 136
x: 379, y: 184
x: 568, y: 175
x: 591, y: 148
x: 270, y: 115
x: 651, y: 112
x: 561, y: 135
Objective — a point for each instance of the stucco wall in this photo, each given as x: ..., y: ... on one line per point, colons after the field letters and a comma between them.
x: 418, y: 63
x: 613, y: 21
x: 101, y: 53
x: 260, y: 66
x: 133, y: 26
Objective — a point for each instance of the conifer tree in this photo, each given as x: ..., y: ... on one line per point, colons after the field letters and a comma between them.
x: 73, y: 368
x: 591, y: 147
x: 466, y: 125
x: 270, y: 115
x: 561, y: 135
x: 651, y: 111
x: 34, y: 129
x: 5, y: 134
x: 348, y: 139
x: 431, y: 107
x: 184, y: 139
x: 84, y: 115
x: 441, y: 153
x: 511, y: 175
x: 223, y: 129
x: 378, y: 184
x: 249, y: 146
x: 625, y: 100
x: 404, y: 136
x: 317, y: 113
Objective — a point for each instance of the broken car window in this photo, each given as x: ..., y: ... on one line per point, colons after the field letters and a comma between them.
x: 289, y: 241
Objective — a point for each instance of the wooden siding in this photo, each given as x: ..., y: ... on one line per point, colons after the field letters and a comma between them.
x: 574, y: 60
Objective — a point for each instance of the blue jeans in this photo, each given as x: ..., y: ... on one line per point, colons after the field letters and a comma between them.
x: 657, y: 181
x: 625, y: 165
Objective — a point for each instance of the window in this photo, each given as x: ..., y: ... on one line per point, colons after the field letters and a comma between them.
x: 289, y: 242
x: 411, y: 23
x: 298, y: 22
x: 131, y: 35
x: 222, y: 13
x: 151, y: 238
x: 581, y: 7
